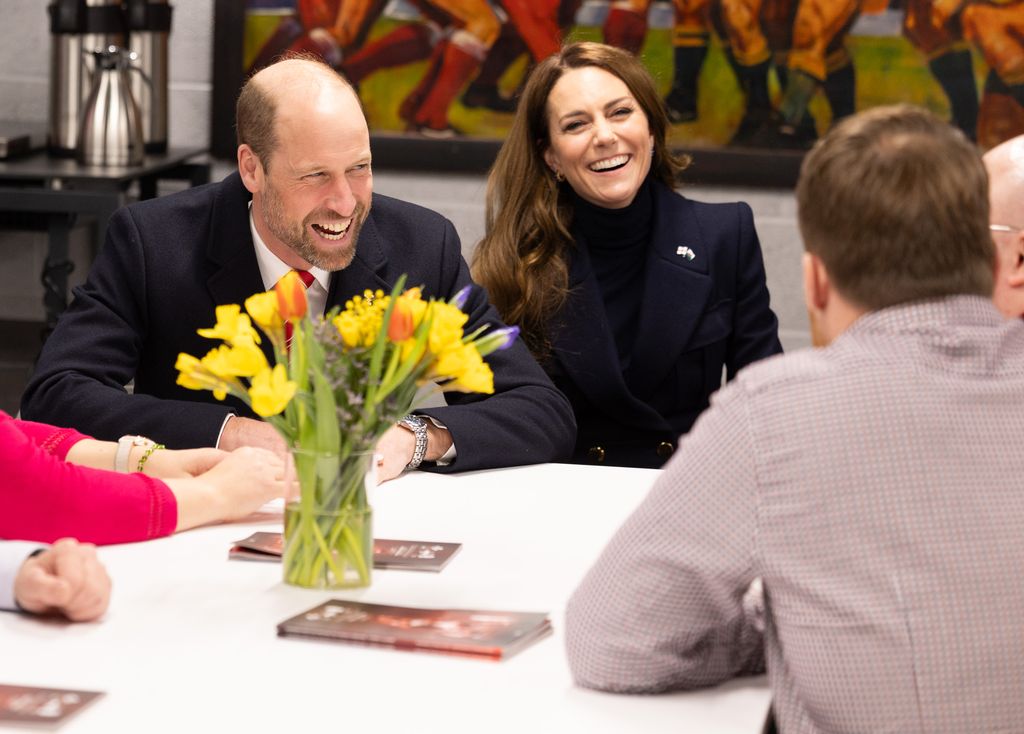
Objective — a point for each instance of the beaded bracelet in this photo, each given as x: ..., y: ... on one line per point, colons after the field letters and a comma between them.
x: 145, y: 456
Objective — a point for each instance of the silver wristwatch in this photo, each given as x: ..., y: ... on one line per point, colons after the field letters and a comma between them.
x: 418, y: 426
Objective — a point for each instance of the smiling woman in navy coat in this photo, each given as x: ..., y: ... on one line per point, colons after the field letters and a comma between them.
x: 633, y: 298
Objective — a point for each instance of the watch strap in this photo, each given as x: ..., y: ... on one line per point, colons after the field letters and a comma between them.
x: 124, y: 448
x: 418, y: 426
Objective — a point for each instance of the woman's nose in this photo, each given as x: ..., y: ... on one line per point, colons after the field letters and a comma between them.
x: 603, y: 132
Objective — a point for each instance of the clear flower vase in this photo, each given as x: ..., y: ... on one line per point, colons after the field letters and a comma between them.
x: 328, y: 535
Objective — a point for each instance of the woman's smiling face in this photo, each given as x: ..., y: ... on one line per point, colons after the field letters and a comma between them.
x: 600, y: 138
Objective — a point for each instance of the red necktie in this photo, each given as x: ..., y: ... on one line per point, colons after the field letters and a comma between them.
x: 307, y: 280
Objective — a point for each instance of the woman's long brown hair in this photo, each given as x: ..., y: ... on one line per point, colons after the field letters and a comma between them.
x: 523, y: 258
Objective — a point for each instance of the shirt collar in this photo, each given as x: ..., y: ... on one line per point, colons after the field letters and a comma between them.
x: 272, y: 269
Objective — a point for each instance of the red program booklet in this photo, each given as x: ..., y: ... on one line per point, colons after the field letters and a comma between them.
x: 476, y: 632
x: 41, y: 705
x: 410, y: 555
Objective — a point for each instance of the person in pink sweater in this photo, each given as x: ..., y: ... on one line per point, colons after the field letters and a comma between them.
x: 57, y: 483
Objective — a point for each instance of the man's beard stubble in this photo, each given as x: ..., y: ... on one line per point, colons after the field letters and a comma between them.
x: 299, y: 240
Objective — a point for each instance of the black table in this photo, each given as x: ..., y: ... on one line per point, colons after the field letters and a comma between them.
x: 60, y: 190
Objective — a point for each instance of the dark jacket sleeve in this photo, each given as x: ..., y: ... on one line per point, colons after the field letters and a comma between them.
x: 96, y: 350
x: 755, y: 333
x: 527, y: 420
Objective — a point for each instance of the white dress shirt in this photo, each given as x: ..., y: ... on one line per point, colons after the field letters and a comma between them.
x: 272, y: 269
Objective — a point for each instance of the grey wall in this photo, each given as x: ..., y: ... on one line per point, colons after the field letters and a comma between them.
x: 24, y: 70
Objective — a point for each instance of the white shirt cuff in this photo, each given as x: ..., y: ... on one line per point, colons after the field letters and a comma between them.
x: 223, y: 425
x: 12, y: 554
x: 451, y: 454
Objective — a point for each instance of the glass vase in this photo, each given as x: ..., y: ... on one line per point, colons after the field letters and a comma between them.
x: 328, y: 535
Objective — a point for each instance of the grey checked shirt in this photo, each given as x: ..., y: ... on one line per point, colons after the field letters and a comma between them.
x: 876, y: 488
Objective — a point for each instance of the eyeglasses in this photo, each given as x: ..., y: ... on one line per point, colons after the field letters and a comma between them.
x: 1004, y: 228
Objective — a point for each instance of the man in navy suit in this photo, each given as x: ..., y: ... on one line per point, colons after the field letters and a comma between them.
x: 302, y: 199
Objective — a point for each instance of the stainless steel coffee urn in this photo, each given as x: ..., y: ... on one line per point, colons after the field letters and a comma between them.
x: 149, y: 26
x: 78, y: 27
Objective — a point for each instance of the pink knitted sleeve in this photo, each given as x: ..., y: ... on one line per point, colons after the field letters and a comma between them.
x: 44, y: 498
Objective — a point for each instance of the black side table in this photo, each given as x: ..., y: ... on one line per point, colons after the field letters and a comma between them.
x: 60, y: 189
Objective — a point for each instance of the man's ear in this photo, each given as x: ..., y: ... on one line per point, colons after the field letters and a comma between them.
x: 1014, y: 261
x: 250, y: 169
x: 817, y: 287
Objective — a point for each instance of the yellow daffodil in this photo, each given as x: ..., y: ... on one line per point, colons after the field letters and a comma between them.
x: 466, y: 369
x: 231, y: 324
x: 271, y: 391
x: 262, y: 307
x: 445, y: 327
x: 243, y: 359
x: 194, y: 376
x: 291, y: 297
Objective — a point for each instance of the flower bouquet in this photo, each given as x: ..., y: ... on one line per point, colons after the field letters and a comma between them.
x: 335, y: 387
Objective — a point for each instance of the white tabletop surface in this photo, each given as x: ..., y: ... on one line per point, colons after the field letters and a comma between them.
x: 189, y: 643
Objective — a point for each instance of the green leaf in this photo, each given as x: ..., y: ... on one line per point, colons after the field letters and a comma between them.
x: 379, y: 346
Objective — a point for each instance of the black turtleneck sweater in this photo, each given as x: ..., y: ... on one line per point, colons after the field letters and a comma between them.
x: 617, y: 241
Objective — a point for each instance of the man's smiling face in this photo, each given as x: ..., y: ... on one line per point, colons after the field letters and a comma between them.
x: 316, y: 190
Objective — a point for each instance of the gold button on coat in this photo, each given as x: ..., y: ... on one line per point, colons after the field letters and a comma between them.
x: 665, y: 449
x: 596, y: 454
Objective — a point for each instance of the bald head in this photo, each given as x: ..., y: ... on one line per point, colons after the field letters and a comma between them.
x: 1005, y: 166
x: 292, y: 88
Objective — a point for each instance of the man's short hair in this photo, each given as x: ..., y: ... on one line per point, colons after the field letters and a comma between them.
x: 255, y: 113
x: 895, y: 203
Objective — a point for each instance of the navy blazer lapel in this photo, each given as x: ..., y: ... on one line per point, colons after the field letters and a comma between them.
x: 676, y: 291
x: 235, y: 274
x: 583, y: 344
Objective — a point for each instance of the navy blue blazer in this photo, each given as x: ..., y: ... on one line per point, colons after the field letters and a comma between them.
x: 168, y: 262
x: 704, y: 308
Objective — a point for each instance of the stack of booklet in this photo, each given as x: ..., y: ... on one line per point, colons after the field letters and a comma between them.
x: 474, y: 632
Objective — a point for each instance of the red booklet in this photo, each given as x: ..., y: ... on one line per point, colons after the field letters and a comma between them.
x: 410, y: 555
x: 41, y: 705
x: 475, y: 632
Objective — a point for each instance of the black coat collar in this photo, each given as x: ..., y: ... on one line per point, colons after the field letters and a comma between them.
x: 676, y: 290
x: 236, y: 274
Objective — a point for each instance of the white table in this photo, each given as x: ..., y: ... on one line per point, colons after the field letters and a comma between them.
x: 189, y: 643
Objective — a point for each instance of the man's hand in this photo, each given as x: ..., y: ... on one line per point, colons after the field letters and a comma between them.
x: 396, y: 447
x: 66, y: 578
x: 240, y: 432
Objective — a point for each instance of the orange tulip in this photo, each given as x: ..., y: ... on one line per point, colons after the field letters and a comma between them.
x: 291, y: 297
x: 402, y: 324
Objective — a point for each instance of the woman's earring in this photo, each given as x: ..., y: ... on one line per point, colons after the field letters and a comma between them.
x: 559, y: 176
